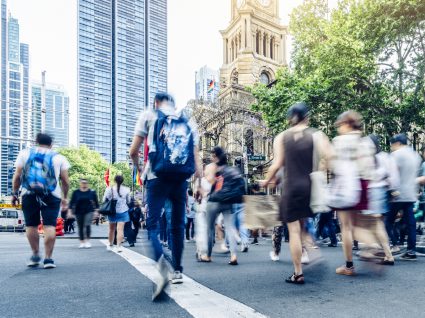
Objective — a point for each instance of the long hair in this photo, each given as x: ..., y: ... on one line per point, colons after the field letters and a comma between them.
x: 119, y: 181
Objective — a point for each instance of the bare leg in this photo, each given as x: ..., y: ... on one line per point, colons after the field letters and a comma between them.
x: 295, y: 246
x: 111, y: 235
x: 346, y: 221
x: 120, y: 233
x: 49, y: 240
x: 382, y: 236
x: 33, y: 239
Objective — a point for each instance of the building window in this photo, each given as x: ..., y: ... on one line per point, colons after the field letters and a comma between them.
x: 264, y: 78
x: 257, y: 43
x: 271, y: 48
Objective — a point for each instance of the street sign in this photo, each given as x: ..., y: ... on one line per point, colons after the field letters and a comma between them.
x: 256, y: 157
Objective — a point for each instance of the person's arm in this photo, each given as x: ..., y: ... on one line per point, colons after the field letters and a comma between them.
x: 73, y: 201
x: 278, y: 161
x: 210, y: 173
x: 96, y: 200
x: 65, y: 187
x: 134, y: 150
x: 16, y: 185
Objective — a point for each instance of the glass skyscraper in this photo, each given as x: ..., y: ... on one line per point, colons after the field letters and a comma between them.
x: 54, y: 99
x: 15, y: 112
x: 122, y: 63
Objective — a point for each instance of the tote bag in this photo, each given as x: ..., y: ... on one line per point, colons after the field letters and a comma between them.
x: 108, y: 207
x: 345, y: 188
x: 319, y: 197
x: 262, y: 211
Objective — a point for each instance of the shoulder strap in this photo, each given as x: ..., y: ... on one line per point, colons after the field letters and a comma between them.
x: 316, y: 135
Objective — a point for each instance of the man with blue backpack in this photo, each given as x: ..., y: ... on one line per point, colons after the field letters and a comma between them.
x: 43, y: 176
x: 173, y: 158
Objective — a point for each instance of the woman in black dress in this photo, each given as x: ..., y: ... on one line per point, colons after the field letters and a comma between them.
x: 293, y: 149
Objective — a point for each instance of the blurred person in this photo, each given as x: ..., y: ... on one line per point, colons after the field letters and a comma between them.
x: 131, y: 228
x: 326, y: 228
x: 355, y: 154
x: 293, y: 149
x: 172, y: 160
x: 117, y: 222
x: 190, y: 216
x: 255, y: 190
x: 408, y: 163
x: 226, y: 190
x: 385, y: 181
x: 238, y: 219
x: 204, y: 189
x: 83, y: 204
x: 422, y: 187
x: 43, y: 176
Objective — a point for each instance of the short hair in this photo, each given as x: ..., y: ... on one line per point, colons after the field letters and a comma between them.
x: 190, y: 192
x: 44, y: 139
x: 298, y: 113
x: 83, y: 180
x: 220, y: 154
x: 164, y: 97
x: 351, y: 118
x: 401, y: 138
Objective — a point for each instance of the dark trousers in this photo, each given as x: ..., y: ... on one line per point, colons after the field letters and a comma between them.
x: 129, y: 233
x: 326, y: 227
x: 408, y: 219
x: 158, y: 190
x: 84, y: 225
x: 190, y: 223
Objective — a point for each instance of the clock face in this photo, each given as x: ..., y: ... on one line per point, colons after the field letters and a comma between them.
x: 240, y: 3
x: 264, y: 3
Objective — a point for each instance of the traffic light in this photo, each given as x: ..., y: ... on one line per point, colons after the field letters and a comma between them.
x: 239, y: 164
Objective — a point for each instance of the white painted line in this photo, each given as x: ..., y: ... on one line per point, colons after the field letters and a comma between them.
x: 196, y: 299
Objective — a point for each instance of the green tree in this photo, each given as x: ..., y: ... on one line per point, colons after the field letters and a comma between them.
x: 367, y: 55
x: 90, y: 165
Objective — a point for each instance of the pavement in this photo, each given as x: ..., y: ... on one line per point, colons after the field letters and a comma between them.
x: 97, y: 283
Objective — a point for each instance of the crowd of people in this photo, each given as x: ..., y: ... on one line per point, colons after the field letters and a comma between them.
x: 348, y: 190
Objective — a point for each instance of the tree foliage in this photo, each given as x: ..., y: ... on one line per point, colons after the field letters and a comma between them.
x: 90, y: 165
x: 366, y: 55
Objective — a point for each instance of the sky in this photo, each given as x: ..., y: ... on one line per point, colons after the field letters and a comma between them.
x: 50, y: 28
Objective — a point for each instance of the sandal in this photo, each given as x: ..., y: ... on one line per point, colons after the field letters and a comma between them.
x: 235, y: 262
x: 202, y: 259
x: 295, y: 279
x: 386, y: 262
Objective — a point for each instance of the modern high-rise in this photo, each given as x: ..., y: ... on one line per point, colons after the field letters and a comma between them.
x: 50, y: 105
x: 122, y: 63
x: 15, y: 112
x: 207, y: 84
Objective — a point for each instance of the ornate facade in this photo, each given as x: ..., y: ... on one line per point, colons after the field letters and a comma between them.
x: 254, y: 48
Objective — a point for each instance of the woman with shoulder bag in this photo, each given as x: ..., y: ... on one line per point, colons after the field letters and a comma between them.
x: 294, y: 151
x: 122, y: 195
x: 353, y: 167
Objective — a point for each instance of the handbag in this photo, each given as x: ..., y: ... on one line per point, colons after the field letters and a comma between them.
x: 108, y: 207
x: 345, y: 188
x: 261, y: 211
x: 319, y: 200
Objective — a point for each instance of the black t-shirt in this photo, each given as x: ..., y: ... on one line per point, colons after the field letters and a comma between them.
x: 83, y: 202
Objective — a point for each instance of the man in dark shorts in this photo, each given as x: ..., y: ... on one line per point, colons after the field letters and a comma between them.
x: 43, y: 176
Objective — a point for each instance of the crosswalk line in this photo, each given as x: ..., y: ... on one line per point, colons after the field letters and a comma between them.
x: 195, y: 298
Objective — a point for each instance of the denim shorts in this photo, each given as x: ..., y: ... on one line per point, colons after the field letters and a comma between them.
x: 119, y: 217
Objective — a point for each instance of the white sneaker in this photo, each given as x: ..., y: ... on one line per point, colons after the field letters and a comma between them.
x: 109, y: 248
x: 304, y: 258
x: 87, y: 245
x: 274, y: 257
x: 119, y: 249
x: 82, y: 245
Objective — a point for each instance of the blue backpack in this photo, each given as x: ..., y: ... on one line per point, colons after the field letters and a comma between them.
x: 38, y: 175
x: 172, y: 156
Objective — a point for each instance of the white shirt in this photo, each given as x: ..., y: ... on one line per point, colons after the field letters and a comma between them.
x: 60, y: 163
x: 123, y: 198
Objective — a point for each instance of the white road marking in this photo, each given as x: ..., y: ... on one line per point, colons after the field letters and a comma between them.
x: 196, y: 299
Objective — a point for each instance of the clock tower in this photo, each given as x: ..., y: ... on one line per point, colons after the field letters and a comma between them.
x: 254, y: 46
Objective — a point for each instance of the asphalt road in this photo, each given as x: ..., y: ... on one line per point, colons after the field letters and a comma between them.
x: 95, y: 283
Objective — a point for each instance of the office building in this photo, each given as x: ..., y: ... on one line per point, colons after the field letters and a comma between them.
x: 122, y: 64
x: 207, y: 84
x: 15, y: 112
x: 50, y: 105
